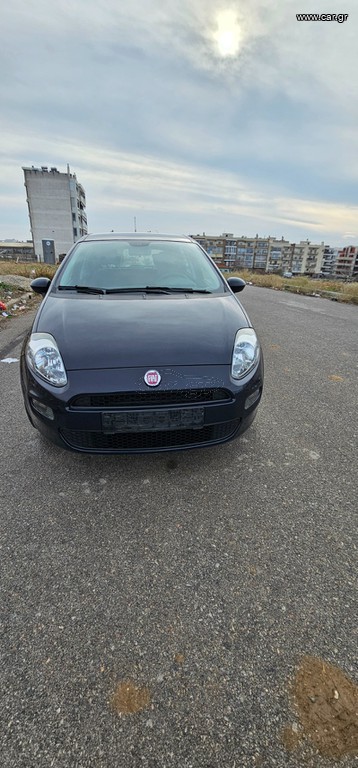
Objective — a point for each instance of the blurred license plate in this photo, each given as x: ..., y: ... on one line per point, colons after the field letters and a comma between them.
x: 153, y: 421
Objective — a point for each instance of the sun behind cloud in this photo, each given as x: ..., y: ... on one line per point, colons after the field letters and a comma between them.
x: 228, y: 35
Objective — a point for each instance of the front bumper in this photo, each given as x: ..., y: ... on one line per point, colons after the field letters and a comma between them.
x: 77, y: 424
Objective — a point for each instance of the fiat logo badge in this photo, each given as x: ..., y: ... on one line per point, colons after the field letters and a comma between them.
x: 152, y: 378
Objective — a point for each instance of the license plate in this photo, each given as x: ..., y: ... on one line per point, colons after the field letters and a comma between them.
x: 153, y: 421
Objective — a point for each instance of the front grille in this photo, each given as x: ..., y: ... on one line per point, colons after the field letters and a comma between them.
x: 157, y: 397
x: 148, y: 441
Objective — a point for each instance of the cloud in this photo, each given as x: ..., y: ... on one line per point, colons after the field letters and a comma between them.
x: 121, y: 185
x: 141, y: 101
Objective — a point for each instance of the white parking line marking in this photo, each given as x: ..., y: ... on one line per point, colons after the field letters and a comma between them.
x: 9, y: 360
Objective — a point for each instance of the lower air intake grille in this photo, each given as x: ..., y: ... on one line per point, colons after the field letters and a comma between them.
x: 148, y: 441
x: 158, y: 397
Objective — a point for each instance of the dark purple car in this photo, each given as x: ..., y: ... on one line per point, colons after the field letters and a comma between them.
x: 140, y: 345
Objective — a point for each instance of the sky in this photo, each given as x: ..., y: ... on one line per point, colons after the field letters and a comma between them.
x: 188, y: 117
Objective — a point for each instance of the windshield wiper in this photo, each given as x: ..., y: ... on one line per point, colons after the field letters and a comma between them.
x: 81, y: 288
x: 156, y: 289
x: 145, y: 289
x: 189, y: 290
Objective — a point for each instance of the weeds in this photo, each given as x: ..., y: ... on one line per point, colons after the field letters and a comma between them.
x: 29, y: 269
x: 346, y: 292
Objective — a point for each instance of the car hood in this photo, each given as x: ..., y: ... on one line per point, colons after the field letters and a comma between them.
x: 95, y: 332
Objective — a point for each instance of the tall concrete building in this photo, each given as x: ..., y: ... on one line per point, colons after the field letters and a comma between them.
x: 57, y: 211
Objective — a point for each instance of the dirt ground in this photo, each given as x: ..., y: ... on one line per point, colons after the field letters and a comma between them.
x: 326, y: 701
x: 128, y: 698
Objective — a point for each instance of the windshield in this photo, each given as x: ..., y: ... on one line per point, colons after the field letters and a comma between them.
x: 111, y: 264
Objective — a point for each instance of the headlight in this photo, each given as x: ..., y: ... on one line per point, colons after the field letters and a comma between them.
x: 246, y: 353
x: 43, y: 357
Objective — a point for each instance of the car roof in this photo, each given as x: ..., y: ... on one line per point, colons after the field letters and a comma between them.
x: 136, y: 236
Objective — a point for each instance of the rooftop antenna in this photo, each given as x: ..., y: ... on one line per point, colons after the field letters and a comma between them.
x: 135, y: 223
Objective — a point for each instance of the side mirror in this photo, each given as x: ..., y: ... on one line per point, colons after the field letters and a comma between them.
x: 40, y: 285
x: 236, y: 284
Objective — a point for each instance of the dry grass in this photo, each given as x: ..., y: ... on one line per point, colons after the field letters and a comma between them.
x: 346, y: 292
x: 27, y: 269
x: 350, y: 293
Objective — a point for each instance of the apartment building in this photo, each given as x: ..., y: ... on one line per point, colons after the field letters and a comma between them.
x: 347, y: 262
x: 279, y: 255
x: 330, y: 256
x: 57, y: 210
x: 253, y: 253
x: 232, y: 252
x: 306, y: 258
x: 263, y: 254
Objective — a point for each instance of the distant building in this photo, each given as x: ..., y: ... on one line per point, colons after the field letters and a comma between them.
x: 17, y: 251
x: 232, y: 252
x: 279, y: 255
x: 213, y: 245
x: 57, y: 210
x: 263, y: 254
x: 347, y: 262
x: 305, y: 258
x: 330, y: 256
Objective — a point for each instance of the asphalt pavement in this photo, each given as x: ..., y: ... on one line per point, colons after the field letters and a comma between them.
x: 201, y: 578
